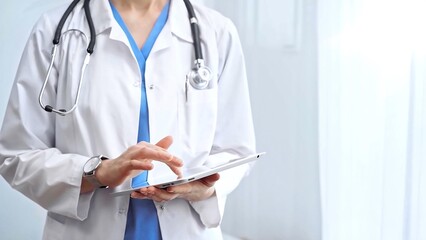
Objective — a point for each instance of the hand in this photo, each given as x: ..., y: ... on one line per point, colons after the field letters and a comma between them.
x: 192, y: 191
x: 134, y: 160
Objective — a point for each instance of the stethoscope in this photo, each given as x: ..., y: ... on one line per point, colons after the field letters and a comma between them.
x: 199, y: 77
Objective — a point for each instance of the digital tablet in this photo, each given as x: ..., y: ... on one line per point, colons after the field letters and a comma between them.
x: 220, y: 163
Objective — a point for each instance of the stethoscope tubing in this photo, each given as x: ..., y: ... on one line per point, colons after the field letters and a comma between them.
x: 199, y: 77
x: 195, y: 30
x: 91, y: 27
x: 86, y: 62
x: 56, y: 41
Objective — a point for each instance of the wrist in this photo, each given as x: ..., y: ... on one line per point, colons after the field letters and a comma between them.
x: 101, y: 173
x: 90, y: 170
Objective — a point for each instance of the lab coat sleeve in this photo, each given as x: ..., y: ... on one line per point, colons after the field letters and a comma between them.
x: 29, y: 161
x: 234, y: 132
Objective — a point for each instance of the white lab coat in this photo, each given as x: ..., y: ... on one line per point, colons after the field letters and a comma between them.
x: 42, y: 154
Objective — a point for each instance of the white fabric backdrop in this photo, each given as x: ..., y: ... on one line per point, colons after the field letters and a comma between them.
x: 372, y: 119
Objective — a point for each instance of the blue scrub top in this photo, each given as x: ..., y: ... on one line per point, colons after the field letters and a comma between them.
x: 142, y: 219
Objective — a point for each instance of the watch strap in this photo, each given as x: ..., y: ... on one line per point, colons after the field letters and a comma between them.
x: 91, y: 177
x: 94, y: 181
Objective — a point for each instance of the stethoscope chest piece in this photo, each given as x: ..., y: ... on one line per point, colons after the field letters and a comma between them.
x: 200, y: 77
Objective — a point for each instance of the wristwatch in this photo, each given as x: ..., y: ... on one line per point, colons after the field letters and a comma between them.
x: 90, y: 168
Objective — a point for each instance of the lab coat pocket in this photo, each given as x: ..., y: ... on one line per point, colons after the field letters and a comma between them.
x: 197, y: 118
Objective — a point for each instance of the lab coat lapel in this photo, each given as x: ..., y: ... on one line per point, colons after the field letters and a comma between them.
x: 164, y: 40
x: 101, y: 15
x: 177, y: 24
x: 104, y: 18
x: 118, y: 34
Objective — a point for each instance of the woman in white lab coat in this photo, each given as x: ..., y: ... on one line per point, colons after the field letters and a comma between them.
x: 42, y: 155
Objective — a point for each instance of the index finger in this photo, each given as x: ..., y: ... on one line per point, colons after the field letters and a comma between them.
x: 156, y: 153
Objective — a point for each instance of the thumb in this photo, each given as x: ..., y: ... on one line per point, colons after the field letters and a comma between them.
x: 166, y: 142
x: 209, y: 181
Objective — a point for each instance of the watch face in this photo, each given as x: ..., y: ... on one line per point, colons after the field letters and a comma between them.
x: 91, y: 165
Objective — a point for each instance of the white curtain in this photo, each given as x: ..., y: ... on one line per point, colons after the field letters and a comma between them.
x: 372, y: 119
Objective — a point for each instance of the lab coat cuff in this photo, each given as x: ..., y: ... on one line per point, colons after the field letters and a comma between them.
x: 83, y: 205
x: 210, y: 211
x: 80, y: 201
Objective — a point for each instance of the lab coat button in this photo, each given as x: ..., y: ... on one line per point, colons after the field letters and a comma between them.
x: 162, y: 207
x: 122, y: 211
x: 151, y: 86
x: 137, y: 84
